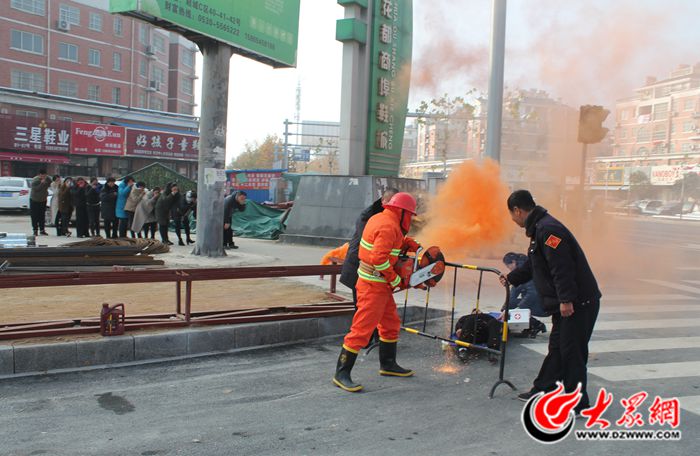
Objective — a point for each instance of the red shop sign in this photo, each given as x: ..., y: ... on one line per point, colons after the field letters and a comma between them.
x: 160, y: 144
x: 97, y: 139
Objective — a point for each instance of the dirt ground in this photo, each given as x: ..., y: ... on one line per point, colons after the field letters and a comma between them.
x: 36, y: 304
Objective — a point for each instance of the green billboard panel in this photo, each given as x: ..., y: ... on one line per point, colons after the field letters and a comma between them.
x: 265, y: 30
x: 390, y: 74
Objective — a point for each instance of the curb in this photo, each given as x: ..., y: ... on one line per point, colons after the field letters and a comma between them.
x: 24, y: 360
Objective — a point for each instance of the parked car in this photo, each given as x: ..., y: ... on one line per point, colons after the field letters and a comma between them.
x: 652, y: 207
x: 14, y: 193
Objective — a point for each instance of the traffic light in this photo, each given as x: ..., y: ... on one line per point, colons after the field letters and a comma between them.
x: 590, y: 124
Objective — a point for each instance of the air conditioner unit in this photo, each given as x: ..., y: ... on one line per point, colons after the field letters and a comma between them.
x: 154, y: 86
x: 149, y: 50
x: 63, y: 25
x: 3, y: 111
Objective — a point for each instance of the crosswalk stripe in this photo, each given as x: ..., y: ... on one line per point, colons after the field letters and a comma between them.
x: 662, y: 307
x: 647, y: 371
x: 688, y: 268
x: 675, y: 286
x: 622, y: 345
x: 693, y: 282
x: 648, y: 324
x: 646, y: 297
x: 690, y: 404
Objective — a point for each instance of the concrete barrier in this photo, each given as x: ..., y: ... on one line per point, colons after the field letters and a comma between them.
x: 176, y: 344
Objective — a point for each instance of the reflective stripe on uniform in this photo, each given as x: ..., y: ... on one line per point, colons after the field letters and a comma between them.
x: 396, y: 281
x: 366, y: 244
x: 369, y: 277
x: 383, y: 267
x: 395, y: 252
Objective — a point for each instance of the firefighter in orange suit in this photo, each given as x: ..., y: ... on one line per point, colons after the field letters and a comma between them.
x: 383, y: 239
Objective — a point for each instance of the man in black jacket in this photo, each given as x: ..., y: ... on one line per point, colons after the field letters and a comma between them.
x: 234, y: 202
x: 569, y: 291
x: 348, y: 275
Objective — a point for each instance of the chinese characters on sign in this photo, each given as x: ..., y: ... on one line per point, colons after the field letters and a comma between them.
x: 96, y: 139
x: 28, y: 134
x: 265, y: 29
x: 389, y: 75
x: 158, y: 144
x: 252, y: 180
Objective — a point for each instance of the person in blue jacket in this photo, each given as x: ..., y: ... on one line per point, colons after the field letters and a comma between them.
x: 122, y: 195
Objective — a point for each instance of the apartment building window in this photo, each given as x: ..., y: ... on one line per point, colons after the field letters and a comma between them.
x: 624, y: 114
x: 159, y: 43
x: 95, y: 22
x: 24, y: 80
x: 27, y: 42
x: 688, y: 104
x: 118, y: 26
x: 685, y: 147
x: 142, y: 100
x: 143, y: 68
x: 688, y: 126
x: 660, y: 111
x: 143, y: 33
x: 116, y: 95
x: 37, y: 7
x: 623, y: 133
x: 186, y: 86
x: 67, y: 51
x: 68, y: 88
x: 158, y: 75
x: 156, y: 104
x: 94, y: 57
x: 117, y: 61
x: 643, y: 134
x: 659, y: 132
x: 69, y: 14
x: 187, y: 58
x: 94, y: 92
x: 23, y: 113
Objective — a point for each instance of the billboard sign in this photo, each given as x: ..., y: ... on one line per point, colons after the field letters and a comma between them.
x: 390, y: 74
x: 161, y: 145
x: 252, y: 179
x: 664, y: 175
x: 265, y: 30
x: 32, y: 134
x: 97, y: 139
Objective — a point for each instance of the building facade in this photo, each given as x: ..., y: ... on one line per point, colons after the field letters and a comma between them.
x: 660, y: 124
x: 71, y: 68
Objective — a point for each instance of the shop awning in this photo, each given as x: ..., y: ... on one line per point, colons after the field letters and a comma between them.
x: 34, y: 158
x: 156, y: 128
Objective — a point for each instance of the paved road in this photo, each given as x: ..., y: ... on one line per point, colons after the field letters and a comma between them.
x: 280, y: 400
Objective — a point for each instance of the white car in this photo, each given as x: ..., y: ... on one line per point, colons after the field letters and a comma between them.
x: 14, y: 193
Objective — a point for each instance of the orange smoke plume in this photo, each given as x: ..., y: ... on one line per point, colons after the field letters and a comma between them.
x: 469, y: 212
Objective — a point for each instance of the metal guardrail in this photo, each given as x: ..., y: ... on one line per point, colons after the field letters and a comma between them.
x: 180, y: 317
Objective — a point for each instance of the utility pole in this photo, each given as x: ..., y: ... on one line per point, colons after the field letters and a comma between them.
x: 211, y: 181
x: 497, y: 58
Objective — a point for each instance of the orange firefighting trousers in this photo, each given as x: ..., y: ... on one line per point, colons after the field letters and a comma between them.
x: 375, y: 309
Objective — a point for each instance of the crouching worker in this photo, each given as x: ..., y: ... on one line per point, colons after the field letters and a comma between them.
x: 383, y: 239
x: 525, y: 296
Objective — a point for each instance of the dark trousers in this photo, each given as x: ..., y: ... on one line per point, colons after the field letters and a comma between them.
x: 181, y: 223
x: 123, y: 227
x: 163, y: 230
x: 228, y: 236
x: 37, y: 211
x: 150, y: 227
x: 94, y: 220
x: 111, y: 227
x: 81, y: 221
x: 57, y: 222
x: 65, y: 222
x: 568, y: 350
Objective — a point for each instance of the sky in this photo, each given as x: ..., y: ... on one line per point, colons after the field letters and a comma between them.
x: 583, y: 52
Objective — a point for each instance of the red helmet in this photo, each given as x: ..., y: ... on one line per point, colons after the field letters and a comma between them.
x: 403, y: 201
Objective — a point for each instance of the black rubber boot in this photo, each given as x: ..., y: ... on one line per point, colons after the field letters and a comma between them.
x: 387, y: 361
x: 342, y: 378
